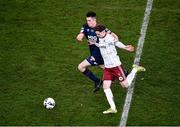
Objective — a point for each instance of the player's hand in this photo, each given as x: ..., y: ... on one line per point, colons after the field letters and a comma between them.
x: 129, y: 48
x: 91, y: 42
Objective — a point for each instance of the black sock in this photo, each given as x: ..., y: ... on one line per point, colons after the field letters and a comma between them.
x: 91, y: 76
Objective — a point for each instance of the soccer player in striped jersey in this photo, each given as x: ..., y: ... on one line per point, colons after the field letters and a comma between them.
x: 95, y: 58
x: 107, y: 45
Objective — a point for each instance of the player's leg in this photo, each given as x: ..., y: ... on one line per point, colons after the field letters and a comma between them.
x: 100, y: 63
x: 109, y: 96
x: 107, y: 90
x: 126, y: 83
x: 83, y: 67
x: 118, y: 73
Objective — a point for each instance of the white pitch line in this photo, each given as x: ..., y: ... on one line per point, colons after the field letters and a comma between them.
x: 129, y: 94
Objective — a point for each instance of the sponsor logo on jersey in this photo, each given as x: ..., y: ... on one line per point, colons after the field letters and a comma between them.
x: 94, y: 38
x: 102, y: 46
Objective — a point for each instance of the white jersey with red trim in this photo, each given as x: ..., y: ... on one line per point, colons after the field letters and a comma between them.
x: 108, y: 51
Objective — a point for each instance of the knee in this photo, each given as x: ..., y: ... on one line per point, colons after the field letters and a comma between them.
x: 124, y: 84
x: 81, y: 68
x: 105, y: 86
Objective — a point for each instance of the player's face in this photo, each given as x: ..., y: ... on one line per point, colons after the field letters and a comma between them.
x: 91, y: 21
x: 100, y: 34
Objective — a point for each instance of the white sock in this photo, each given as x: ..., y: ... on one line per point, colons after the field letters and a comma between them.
x: 131, y: 76
x: 109, y: 96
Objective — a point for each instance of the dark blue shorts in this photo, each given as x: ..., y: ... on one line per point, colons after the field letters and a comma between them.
x: 95, y: 61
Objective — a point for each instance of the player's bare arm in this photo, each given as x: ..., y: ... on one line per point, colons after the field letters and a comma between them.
x: 129, y: 48
x: 80, y: 37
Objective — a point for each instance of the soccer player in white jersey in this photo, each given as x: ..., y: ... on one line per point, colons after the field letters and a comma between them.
x: 107, y: 45
x: 95, y: 58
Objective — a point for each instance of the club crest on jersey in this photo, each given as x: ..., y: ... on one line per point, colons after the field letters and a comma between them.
x: 92, y: 30
x: 87, y: 30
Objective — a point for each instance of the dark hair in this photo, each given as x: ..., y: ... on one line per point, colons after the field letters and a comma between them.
x: 100, y: 28
x: 91, y: 14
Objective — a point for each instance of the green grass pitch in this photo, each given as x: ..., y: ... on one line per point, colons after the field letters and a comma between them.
x: 39, y: 58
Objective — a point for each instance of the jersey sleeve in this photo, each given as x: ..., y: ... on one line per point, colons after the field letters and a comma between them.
x: 112, y: 38
x: 82, y: 30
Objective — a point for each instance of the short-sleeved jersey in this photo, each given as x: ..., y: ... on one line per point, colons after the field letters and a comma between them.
x: 108, y: 51
x: 90, y: 34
